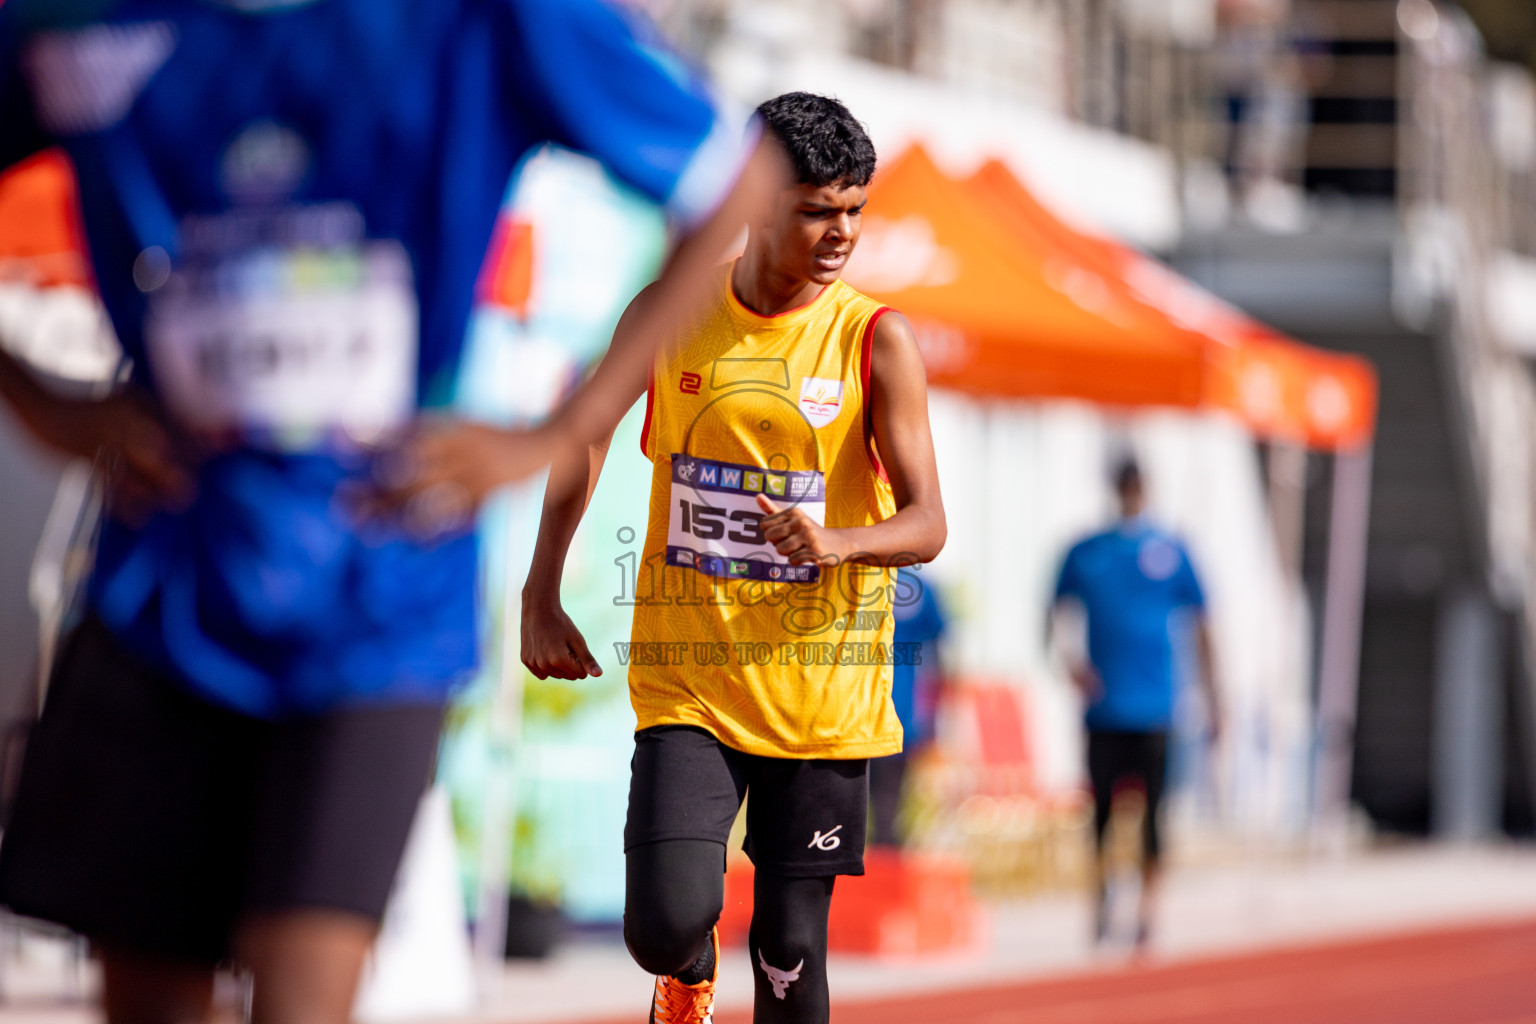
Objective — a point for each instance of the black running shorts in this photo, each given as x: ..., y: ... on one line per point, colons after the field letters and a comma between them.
x: 152, y: 821
x: 805, y: 818
x: 1140, y: 759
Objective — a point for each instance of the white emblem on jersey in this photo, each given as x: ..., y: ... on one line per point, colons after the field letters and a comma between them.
x: 830, y: 841
x: 87, y: 80
x: 1158, y: 559
x: 779, y: 979
x: 821, y: 399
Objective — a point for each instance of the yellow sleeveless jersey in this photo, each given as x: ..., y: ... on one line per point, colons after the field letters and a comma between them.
x: 774, y: 659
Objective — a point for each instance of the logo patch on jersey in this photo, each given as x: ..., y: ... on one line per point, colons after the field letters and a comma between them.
x: 690, y: 383
x: 821, y: 399
x: 1157, y: 559
x: 88, y: 80
x: 266, y: 162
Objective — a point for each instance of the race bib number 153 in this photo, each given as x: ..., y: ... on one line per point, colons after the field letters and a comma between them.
x: 715, y: 525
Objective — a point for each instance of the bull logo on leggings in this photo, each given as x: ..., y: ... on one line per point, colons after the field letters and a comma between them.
x: 779, y: 979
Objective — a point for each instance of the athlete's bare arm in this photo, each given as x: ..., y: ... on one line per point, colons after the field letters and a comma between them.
x: 146, y: 470
x: 1207, y: 656
x: 1065, y: 626
x: 476, y: 459
x: 551, y: 643
x: 898, y: 403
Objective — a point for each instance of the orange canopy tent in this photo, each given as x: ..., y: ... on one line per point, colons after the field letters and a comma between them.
x: 998, y: 315
x: 1281, y: 388
x: 1009, y: 301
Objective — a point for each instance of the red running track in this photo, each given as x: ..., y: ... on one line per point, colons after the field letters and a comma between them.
x: 1482, y: 975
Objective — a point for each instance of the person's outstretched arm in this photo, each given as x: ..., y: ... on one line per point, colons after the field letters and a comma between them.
x: 125, y: 427
x: 474, y: 459
x: 551, y: 643
x: 898, y: 398
x: 145, y: 468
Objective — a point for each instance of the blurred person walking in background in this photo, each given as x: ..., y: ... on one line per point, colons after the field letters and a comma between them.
x: 917, y: 681
x: 1136, y: 587
x: 287, y: 204
x: 793, y: 463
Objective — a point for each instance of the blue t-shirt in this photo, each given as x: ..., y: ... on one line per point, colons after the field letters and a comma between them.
x: 1133, y: 582
x: 920, y: 622
x: 329, y: 172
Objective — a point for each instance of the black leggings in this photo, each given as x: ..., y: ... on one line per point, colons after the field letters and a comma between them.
x: 674, y: 892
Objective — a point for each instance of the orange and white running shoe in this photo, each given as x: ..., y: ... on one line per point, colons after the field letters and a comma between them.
x: 677, y: 1003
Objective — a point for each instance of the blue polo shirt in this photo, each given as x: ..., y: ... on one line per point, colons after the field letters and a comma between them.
x: 1136, y: 584
x: 265, y: 182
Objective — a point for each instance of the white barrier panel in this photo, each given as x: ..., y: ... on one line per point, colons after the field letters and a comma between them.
x: 421, y: 965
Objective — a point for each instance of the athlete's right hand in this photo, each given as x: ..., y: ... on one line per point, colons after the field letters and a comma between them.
x: 145, y: 470
x: 552, y: 645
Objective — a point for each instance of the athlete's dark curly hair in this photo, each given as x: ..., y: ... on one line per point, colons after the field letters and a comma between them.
x: 827, y: 145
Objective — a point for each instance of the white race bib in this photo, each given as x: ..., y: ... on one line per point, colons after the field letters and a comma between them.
x: 289, y: 346
x: 715, y: 525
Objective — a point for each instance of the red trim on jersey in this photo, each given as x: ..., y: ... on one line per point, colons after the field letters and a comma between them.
x: 869, y: 433
x: 650, y: 405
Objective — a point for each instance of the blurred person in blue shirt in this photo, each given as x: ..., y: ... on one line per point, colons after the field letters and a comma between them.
x: 1141, y: 598
x: 917, y: 681
x: 287, y: 204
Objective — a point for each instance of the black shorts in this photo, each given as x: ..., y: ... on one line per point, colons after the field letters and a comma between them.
x: 150, y: 820
x: 1140, y: 758
x: 805, y: 819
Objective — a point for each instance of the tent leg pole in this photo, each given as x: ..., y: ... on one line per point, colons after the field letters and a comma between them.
x: 1339, y: 658
x: 1287, y: 502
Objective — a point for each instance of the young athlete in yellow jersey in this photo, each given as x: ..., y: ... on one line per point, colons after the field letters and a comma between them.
x: 794, y: 467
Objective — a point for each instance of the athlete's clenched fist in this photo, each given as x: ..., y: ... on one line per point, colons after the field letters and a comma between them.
x: 553, y: 648
x: 797, y: 536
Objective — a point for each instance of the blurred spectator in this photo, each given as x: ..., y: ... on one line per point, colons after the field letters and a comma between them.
x: 287, y: 203
x: 1132, y: 582
x: 916, y: 683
